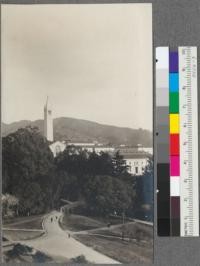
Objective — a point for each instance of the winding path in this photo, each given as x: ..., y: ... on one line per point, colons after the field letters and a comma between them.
x: 57, y: 242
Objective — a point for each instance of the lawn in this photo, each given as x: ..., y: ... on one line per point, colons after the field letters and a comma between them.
x: 76, y: 223
x: 137, y: 246
x: 122, y: 251
x: 31, y: 222
x: 21, y: 235
x: 132, y: 230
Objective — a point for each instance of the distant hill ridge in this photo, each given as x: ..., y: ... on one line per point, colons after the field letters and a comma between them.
x: 80, y: 130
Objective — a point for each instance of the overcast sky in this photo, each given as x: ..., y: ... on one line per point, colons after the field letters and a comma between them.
x: 93, y: 61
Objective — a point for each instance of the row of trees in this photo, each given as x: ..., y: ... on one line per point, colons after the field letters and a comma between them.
x: 39, y: 182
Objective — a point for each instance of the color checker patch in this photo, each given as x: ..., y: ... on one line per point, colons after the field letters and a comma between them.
x: 174, y: 144
x: 174, y: 123
x: 174, y: 102
x: 173, y: 82
x: 174, y: 166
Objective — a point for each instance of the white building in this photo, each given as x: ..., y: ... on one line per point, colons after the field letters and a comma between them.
x: 136, y: 163
x: 59, y: 146
x: 136, y: 159
x: 81, y: 144
x: 146, y: 149
x: 108, y: 149
x: 48, y: 122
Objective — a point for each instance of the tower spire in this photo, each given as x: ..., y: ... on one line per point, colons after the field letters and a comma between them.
x: 48, y: 121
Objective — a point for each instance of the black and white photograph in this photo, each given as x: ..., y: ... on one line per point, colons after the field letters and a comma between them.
x: 76, y: 127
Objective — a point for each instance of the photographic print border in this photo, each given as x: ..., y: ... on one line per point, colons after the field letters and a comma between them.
x: 175, y: 23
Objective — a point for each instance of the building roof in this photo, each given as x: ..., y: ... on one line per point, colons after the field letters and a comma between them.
x: 136, y: 155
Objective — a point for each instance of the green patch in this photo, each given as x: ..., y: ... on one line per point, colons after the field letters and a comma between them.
x: 174, y: 102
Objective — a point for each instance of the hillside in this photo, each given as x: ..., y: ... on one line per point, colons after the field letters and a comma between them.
x: 72, y: 129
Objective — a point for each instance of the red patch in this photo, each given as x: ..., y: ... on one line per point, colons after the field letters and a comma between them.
x: 174, y: 144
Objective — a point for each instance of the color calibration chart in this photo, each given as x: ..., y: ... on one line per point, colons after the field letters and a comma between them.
x: 176, y: 142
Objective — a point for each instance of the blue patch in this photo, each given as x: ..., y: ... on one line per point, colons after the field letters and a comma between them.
x: 173, y: 82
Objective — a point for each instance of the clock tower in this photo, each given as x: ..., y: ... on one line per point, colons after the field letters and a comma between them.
x: 48, y: 121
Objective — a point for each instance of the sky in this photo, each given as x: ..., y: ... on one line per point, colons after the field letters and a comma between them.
x: 94, y: 62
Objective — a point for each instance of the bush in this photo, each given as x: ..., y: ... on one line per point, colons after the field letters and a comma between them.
x: 79, y: 259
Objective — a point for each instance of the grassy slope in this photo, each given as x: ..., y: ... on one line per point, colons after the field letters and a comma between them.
x: 131, y: 230
x: 21, y: 235
x: 77, y: 223
x: 123, y: 251
x: 31, y: 222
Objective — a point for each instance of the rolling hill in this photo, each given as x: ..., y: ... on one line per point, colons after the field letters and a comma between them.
x: 79, y: 130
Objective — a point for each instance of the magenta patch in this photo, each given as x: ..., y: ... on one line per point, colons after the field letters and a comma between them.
x: 174, y: 166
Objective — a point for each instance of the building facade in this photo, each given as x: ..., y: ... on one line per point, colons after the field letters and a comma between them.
x: 136, y: 159
x: 136, y: 163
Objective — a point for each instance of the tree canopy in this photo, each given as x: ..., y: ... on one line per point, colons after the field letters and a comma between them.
x: 27, y: 169
x: 39, y: 181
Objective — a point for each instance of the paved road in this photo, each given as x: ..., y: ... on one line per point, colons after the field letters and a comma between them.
x: 56, y: 242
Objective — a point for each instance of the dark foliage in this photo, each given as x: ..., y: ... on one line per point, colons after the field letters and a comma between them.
x: 27, y: 170
x: 79, y: 259
x: 39, y: 181
x: 144, y: 192
x: 100, y: 180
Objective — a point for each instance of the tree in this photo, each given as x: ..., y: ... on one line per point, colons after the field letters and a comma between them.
x: 98, y: 193
x: 27, y: 168
x: 105, y: 195
x: 33, y: 199
x: 144, y: 193
x: 120, y: 167
x: 79, y: 259
x: 9, y: 205
x: 106, y: 166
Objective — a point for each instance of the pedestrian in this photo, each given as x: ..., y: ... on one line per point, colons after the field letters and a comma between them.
x: 51, y: 219
x: 69, y: 235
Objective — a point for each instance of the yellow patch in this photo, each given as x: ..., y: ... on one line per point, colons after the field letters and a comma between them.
x: 174, y: 123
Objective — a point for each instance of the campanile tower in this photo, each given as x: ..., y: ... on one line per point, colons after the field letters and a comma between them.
x: 48, y: 121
